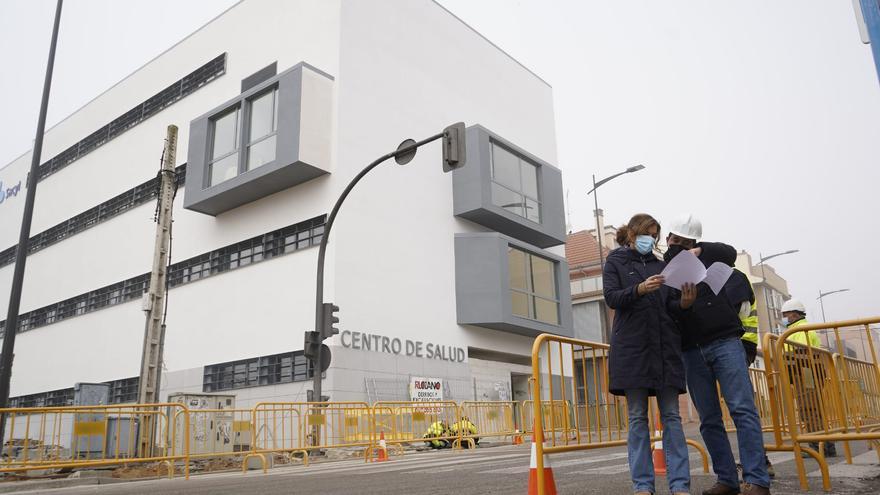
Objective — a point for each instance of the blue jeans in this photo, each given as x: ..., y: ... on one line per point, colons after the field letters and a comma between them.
x: 638, y: 444
x: 724, y: 361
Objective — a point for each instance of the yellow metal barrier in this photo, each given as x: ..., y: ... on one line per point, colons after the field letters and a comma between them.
x: 409, y: 422
x: 570, y: 371
x: 825, y: 398
x: 300, y: 427
x: 92, y: 436
x: 491, y: 418
x: 555, y: 412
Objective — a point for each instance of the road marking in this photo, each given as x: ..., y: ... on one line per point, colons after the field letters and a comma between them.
x: 615, y: 469
x: 402, y: 465
x: 560, y: 464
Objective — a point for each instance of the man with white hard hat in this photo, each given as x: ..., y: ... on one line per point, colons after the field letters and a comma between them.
x: 712, y: 353
x: 805, y: 370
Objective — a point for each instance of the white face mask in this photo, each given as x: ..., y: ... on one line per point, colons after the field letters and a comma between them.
x: 785, y: 321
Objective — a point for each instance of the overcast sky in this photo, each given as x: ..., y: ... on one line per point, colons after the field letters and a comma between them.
x: 761, y: 118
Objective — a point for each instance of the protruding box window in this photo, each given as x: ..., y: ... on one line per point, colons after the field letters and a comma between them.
x: 509, y: 190
x: 505, y: 284
x: 273, y: 136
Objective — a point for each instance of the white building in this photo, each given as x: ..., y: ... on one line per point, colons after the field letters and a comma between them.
x: 279, y: 105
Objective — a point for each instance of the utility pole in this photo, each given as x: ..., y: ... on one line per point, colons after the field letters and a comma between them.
x: 154, y: 300
x: 21, y: 250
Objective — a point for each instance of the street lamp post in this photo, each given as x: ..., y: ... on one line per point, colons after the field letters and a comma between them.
x: 822, y: 306
x: 454, y: 156
x: 600, y: 235
x: 762, y: 260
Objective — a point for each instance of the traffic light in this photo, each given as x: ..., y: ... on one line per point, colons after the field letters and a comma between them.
x: 329, y: 318
x: 454, y: 149
x: 312, y: 344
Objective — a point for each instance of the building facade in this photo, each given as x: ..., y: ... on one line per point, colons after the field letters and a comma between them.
x: 771, y: 292
x: 280, y: 104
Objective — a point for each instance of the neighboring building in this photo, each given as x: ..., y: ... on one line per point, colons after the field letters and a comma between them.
x: 592, y: 319
x: 854, y: 340
x: 771, y: 291
x: 280, y: 104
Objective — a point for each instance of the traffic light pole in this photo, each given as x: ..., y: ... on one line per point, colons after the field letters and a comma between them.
x: 400, y: 153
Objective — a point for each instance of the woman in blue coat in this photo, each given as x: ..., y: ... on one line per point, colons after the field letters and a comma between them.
x: 645, y: 356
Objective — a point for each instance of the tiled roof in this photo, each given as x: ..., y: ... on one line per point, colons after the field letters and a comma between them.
x: 581, y: 249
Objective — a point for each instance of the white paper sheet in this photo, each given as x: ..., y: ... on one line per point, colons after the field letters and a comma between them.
x: 717, y: 275
x: 684, y: 268
x: 687, y: 268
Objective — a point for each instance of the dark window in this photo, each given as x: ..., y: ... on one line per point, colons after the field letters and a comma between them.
x: 121, y: 392
x: 287, y: 367
x: 136, y: 115
x: 140, y: 194
x: 124, y: 391
x: 55, y: 398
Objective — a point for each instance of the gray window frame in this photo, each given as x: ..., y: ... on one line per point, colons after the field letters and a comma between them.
x: 493, y: 143
x: 212, y: 134
x: 530, y: 288
x: 246, y: 129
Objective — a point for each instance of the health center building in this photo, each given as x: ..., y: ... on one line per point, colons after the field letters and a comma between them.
x: 443, y: 278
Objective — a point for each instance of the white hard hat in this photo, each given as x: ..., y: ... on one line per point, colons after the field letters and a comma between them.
x: 687, y: 226
x: 793, y: 305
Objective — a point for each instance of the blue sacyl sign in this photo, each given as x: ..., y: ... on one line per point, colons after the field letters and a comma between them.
x: 10, y: 192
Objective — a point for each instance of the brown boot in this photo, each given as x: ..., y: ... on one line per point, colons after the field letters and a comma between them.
x: 721, y: 489
x: 750, y: 489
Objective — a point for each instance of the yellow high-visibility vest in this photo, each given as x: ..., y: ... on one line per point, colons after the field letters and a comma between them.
x: 750, y: 322
x: 804, y: 338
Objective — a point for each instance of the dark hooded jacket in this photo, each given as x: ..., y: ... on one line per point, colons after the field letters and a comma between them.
x: 712, y: 316
x: 645, y: 340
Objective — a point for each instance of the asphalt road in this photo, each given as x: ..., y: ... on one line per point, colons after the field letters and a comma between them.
x: 501, y: 470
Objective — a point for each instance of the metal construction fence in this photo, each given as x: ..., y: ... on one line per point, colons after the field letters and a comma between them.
x: 572, y: 408
x: 817, y: 396
x: 103, y: 436
x: 92, y: 436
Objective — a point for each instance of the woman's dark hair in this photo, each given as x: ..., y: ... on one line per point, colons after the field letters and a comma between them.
x: 638, y: 225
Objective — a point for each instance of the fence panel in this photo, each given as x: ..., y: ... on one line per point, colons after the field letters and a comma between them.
x: 825, y: 397
x: 491, y: 419
x: 414, y: 422
x: 91, y: 436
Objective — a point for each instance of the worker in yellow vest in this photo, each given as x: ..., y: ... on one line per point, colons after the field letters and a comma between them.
x: 807, y: 377
x: 794, y: 314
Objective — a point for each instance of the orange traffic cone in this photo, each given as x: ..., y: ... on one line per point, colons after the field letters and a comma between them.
x: 517, y: 438
x: 659, y: 457
x: 549, y: 482
x: 383, y: 449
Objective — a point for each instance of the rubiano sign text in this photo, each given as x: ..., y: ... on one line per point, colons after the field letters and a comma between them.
x: 402, y: 347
